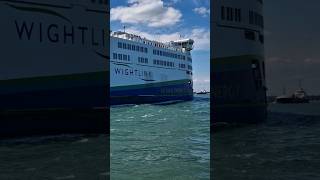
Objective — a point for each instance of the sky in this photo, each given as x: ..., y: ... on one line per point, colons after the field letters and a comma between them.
x: 292, y: 45
x: 167, y: 20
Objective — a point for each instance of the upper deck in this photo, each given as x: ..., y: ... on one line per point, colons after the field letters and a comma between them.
x: 182, y: 45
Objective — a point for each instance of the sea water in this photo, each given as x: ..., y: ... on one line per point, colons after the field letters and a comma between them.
x: 284, y: 147
x: 157, y: 142
x: 168, y: 141
x: 172, y: 142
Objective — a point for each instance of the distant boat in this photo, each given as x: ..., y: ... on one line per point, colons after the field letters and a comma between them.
x: 299, y: 96
x: 203, y: 92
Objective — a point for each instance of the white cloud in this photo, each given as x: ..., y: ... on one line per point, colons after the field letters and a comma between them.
x: 311, y: 61
x: 278, y: 60
x: 200, y: 36
x: 204, y: 12
x: 175, y: 1
x: 201, y: 2
x: 152, y: 13
x: 201, y: 81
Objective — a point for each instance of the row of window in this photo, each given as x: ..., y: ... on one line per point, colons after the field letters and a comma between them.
x: 230, y: 14
x: 251, y: 35
x: 123, y: 57
x: 182, y: 66
x: 168, y: 54
x: 163, y: 63
x: 100, y: 1
x: 234, y: 14
x: 255, y: 19
x: 132, y: 47
x: 143, y: 60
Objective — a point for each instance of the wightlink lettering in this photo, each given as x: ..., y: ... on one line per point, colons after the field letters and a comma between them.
x: 147, y: 75
x: 63, y: 34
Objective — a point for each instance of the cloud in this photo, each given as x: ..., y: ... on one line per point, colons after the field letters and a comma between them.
x: 152, y: 13
x: 200, y: 36
x: 311, y: 61
x: 279, y: 60
x: 201, y: 81
x: 174, y: 1
x: 267, y: 32
x: 201, y: 2
x: 204, y: 12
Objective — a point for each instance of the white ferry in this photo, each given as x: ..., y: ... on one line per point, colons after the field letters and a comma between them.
x: 147, y: 71
x: 237, y: 61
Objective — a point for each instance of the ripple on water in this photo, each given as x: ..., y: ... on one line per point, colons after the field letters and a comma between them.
x: 165, y: 141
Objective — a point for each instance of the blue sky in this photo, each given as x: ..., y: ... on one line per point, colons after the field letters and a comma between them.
x: 166, y: 20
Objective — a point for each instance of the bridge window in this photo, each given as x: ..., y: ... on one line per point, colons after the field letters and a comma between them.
x: 256, y: 19
x: 222, y: 13
x: 228, y: 14
x: 182, y: 66
x: 250, y: 17
x: 250, y: 35
x: 261, y: 38
x: 144, y: 60
x: 237, y: 15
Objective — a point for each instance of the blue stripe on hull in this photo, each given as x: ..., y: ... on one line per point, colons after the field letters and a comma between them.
x: 47, y: 122
x: 151, y: 94
x: 76, y: 97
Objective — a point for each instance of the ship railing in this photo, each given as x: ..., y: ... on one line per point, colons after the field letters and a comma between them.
x: 136, y: 38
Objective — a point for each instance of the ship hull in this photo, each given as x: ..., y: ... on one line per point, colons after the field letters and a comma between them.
x: 237, y: 62
x: 85, y: 90
x: 17, y: 123
x: 180, y: 90
x: 54, y: 72
x: 56, y: 104
x: 238, y: 97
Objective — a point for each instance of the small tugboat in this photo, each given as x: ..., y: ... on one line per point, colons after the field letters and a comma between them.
x: 299, y: 96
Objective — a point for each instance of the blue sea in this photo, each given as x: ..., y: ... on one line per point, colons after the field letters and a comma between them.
x: 284, y: 147
x: 172, y: 141
x: 159, y: 142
